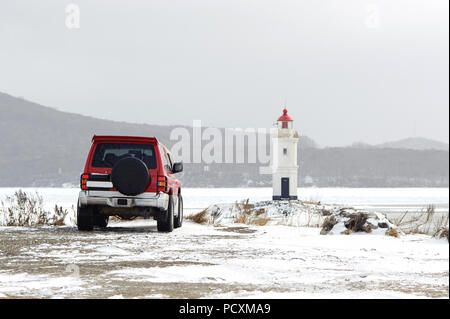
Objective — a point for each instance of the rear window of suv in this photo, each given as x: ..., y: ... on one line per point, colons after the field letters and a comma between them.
x: 107, y: 154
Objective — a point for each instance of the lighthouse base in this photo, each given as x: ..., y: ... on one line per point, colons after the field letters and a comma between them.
x: 284, y: 198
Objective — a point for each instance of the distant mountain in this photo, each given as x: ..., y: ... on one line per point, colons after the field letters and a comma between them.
x: 361, y: 145
x: 416, y: 143
x: 41, y: 146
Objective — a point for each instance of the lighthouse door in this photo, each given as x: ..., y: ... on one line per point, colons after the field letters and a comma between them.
x: 284, y: 188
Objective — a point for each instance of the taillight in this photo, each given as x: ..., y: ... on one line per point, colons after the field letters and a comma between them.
x: 162, y: 183
x: 83, y: 180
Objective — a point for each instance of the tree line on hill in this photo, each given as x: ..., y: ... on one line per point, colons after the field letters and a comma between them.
x: 44, y: 147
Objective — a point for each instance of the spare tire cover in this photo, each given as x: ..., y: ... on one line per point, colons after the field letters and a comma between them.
x: 130, y: 176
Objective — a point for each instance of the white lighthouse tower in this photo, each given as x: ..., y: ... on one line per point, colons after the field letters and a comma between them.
x: 285, y: 168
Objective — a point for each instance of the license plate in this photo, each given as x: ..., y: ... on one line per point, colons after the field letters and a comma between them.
x: 122, y: 202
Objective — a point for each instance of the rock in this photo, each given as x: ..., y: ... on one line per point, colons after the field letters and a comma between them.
x: 325, y: 212
x: 393, y: 232
x: 351, y: 221
x: 357, y: 222
x: 328, y: 225
x: 346, y: 232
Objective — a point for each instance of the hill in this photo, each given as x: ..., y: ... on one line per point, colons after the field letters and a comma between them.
x: 416, y: 143
x: 41, y: 146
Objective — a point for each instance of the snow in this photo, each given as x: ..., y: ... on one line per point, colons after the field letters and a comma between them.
x: 323, y: 295
x: 132, y: 260
x: 298, y: 214
x: 25, y: 282
x: 272, y: 261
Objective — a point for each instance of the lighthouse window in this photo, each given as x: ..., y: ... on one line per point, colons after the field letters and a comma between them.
x: 284, y: 151
x: 285, y: 125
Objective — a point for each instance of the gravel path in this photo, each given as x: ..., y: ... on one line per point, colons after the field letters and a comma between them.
x: 133, y: 260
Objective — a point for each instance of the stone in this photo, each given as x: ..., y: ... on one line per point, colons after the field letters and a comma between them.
x: 383, y: 225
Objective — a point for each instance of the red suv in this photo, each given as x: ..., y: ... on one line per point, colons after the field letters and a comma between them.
x: 127, y: 176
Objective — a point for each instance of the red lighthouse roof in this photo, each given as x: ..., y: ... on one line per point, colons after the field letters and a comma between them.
x: 285, y: 117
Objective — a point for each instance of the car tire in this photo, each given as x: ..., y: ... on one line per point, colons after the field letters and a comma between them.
x: 178, y: 221
x: 101, y: 221
x: 85, y: 218
x: 130, y: 176
x: 166, y: 221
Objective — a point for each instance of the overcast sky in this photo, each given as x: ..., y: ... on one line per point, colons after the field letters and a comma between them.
x: 350, y: 71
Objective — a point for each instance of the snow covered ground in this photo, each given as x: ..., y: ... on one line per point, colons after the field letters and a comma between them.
x: 133, y: 260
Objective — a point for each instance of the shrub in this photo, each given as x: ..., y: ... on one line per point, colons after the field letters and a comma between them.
x: 246, y: 214
x: 241, y: 219
x: 393, y: 232
x: 199, y: 218
x: 59, y: 216
x: 24, y: 209
x: 442, y: 233
x: 425, y: 222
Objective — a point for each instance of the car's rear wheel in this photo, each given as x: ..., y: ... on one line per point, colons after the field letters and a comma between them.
x: 166, y: 221
x: 101, y: 221
x: 85, y: 218
x: 179, y: 219
x: 130, y: 176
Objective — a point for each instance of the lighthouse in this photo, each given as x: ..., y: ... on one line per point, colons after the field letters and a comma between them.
x: 285, y: 168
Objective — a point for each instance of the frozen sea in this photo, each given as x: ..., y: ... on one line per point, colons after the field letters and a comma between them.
x: 388, y: 200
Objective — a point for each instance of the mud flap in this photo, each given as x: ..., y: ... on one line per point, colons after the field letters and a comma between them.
x: 175, y: 202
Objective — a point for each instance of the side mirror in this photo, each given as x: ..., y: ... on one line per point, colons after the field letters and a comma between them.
x: 177, y: 167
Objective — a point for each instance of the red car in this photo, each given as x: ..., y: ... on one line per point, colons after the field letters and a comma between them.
x: 127, y: 176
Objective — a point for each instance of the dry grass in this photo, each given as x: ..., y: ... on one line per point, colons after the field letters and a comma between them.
x: 246, y: 214
x: 426, y: 222
x: 260, y: 211
x: 393, y: 232
x: 244, y: 207
x: 251, y: 220
x: 442, y: 233
x: 241, y: 219
x: 25, y: 209
x: 260, y: 221
x: 59, y: 216
x: 199, y: 218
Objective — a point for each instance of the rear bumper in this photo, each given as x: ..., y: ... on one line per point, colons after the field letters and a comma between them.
x: 111, y: 199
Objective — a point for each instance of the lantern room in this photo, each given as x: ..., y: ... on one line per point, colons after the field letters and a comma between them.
x: 284, y: 121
